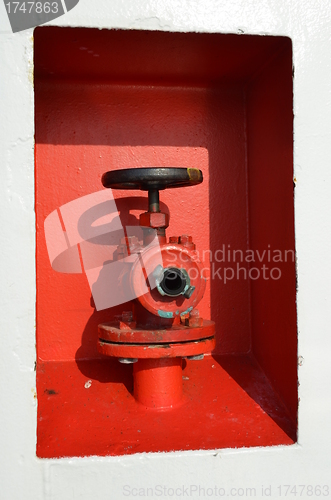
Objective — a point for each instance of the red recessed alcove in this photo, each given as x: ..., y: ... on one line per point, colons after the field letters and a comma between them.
x: 109, y: 99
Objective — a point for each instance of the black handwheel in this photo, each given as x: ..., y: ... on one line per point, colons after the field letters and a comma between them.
x: 148, y: 179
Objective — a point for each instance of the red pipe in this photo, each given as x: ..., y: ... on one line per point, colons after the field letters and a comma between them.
x: 158, y: 382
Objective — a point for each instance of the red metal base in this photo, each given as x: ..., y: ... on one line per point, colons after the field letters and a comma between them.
x: 158, y: 383
x: 157, y: 374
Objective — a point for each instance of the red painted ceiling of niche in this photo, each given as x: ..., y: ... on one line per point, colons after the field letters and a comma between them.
x: 84, y: 130
x: 150, y: 56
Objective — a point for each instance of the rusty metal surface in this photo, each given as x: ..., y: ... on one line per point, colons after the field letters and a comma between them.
x: 168, y: 350
x: 113, y: 332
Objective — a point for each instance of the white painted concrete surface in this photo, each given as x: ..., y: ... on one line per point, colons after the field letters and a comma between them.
x: 22, y: 475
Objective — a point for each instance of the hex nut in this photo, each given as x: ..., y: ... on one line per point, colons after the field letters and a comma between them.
x: 154, y: 219
x: 185, y: 238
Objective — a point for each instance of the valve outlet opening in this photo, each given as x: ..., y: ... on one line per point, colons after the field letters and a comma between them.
x: 173, y: 282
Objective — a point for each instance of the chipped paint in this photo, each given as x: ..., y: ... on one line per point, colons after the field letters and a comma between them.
x: 187, y: 311
x: 194, y: 174
x: 50, y: 392
x: 165, y: 314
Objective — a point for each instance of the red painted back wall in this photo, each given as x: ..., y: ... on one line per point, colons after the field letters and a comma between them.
x: 87, y: 129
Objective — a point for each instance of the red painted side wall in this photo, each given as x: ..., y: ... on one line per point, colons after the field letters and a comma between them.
x: 271, y: 221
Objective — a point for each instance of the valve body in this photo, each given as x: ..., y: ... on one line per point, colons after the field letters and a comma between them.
x: 166, y: 278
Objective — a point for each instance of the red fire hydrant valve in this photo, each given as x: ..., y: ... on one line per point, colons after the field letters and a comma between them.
x: 167, y: 280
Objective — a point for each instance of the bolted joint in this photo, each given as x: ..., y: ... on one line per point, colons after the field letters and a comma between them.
x: 187, y: 241
x: 192, y: 319
x: 128, y: 245
x: 126, y: 321
x: 154, y: 219
x: 185, y: 238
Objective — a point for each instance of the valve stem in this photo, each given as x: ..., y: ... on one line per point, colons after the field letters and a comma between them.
x: 153, y: 200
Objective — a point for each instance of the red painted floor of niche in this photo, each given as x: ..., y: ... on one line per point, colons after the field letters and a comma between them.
x: 87, y: 408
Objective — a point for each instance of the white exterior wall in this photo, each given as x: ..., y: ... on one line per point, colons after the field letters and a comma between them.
x: 22, y: 475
